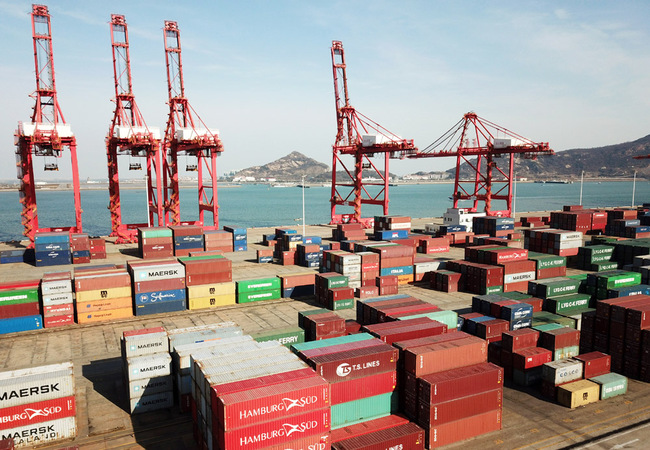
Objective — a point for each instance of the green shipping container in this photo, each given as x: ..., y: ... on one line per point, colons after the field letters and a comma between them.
x: 548, y: 261
x: 579, y: 314
x: 565, y: 303
x: 486, y: 290
x: 365, y: 409
x: 18, y: 296
x: 619, y: 280
x: 331, y: 341
x: 285, y: 336
x: 263, y: 284
x: 545, y: 317
x: 611, y: 385
x: 346, y: 303
x: 547, y: 327
x: 198, y: 258
x: 155, y: 233
x: 449, y: 318
x: 247, y: 297
x: 566, y: 352
x: 336, y: 282
x: 603, y: 266
x: 555, y: 288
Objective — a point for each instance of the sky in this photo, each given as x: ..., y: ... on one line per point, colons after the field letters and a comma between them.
x: 574, y: 74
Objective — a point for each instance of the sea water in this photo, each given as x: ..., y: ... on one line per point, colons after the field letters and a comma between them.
x: 265, y: 206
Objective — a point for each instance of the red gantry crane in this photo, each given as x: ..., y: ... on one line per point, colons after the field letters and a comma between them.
x: 130, y: 136
x: 488, y: 150
x: 361, y: 138
x: 47, y: 135
x: 186, y: 134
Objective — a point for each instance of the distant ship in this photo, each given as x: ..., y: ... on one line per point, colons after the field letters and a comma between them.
x: 554, y: 181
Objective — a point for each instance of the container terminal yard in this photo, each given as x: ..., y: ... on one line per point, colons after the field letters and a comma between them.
x: 529, y: 420
x: 474, y: 330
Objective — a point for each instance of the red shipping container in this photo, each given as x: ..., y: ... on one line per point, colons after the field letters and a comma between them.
x: 342, y: 293
x: 445, y: 356
x: 393, y: 251
x: 406, y: 436
x: 312, y: 353
x: 431, y: 415
x: 159, y: 285
x: 58, y: 321
x: 410, y: 308
x: 366, y: 292
x: 389, y: 290
x: 495, y: 308
x: 638, y: 316
x: 492, y: 328
x: 411, y: 331
x: 58, y: 310
x: 19, y: 310
x: 462, y: 429
x: 460, y: 382
x: 528, y: 358
x: 427, y: 340
x: 519, y: 267
x: 559, y: 338
x: 318, y: 441
x: 379, y: 327
x: 411, y: 311
x: 352, y: 326
x: 23, y: 415
x: 272, y: 432
x: 499, y: 256
x: 358, y: 388
x: 253, y: 383
x: 245, y: 408
x: 359, y: 429
x: 209, y: 278
x: 355, y: 363
x: 387, y: 280
x: 536, y: 303
x: 396, y: 262
x: 205, y: 266
x: 102, y: 280
x: 594, y: 364
x: 289, y: 281
x: 519, y: 339
x: 618, y: 312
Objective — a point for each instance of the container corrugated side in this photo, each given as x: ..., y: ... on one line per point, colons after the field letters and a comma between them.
x: 145, y: 344
x: 448, y: 385
x: 562, y: 371
x: 463, y: 429
x: 203, y: 335
x: 37, y: 387
x: 369, y: 386
x: 148, y: 386
x: 148, y: 366
x: 182, y: 353
x: 364, y: 409
x: 33, y: 413
x: 578, y: 393
x: 245, y: 408
x: 42, y: 433
x: 611, y: 385
x: 152, y: 402
x: 435, y: 414
x: 404, y: 436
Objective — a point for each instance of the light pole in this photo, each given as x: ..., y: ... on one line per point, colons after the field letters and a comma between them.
x: 303, y: 206
x: 582, y: 177
x: 633, y: 187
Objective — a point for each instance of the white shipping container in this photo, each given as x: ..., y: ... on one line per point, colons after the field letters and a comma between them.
x: 188, y: 134
x: 35, y: 388
x: 562, y: 371
x: 145, y: 344
x: 349, y: 260
x: 400, y: 226
x: 245, y: 358
x: 429, y: 266
x: 152, y: 402
x: 142, y: 367
x: 42, y: 433
x: 212, y: 326
x: 38, y: 370
x: 203, y: 335
x: 517, y: 277
x: 564, y: 245
x: 182, y: 353
x: 56, y: 286
x: 62, y: 298
x: 570, y: 236
x: 148, y: 386
x: 158, y: 272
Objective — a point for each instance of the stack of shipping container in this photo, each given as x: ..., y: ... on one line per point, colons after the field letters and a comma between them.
x: 97, y: 248
x: 218, y: 240
x: 52, y: 248
x: 80, y: 248
x: 147, y: 369
x: 349, y: 232
x: 552, y: 241
x: 57, y: 300
x: 321, y: 324
x: 208, y: 279
x: 259, y: 290
x: 158, y: 286
x: 239, y: 238
x: 187, y: 238
x: 298, y: 285
x: 102, y: 294
x: 44, y: 412
x: 19, y: 307
x: 155, y: 242
x: 333, y: 290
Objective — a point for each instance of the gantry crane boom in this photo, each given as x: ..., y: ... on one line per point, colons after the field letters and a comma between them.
x: 130, y: 136
x: 186, y: 134
x: 472, y: 140
x: 361, y: 138
x: 47, y: 135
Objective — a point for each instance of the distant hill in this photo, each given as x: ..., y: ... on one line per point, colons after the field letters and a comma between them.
x: 289, y: 168
x: 611, y: 161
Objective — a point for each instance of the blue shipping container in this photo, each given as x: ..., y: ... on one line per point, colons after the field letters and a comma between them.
x: 400, y: 270
x: 52, y: 258
x: 515, y: 312
x: 391, y: 234
x: 172, y: 295
x: 164, y: 307
x: 23, y: 323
